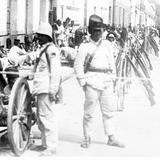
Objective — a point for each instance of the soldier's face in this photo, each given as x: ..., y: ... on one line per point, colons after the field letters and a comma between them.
x: 111, y: 39
x: 96, y: 35
x: 41, y: 39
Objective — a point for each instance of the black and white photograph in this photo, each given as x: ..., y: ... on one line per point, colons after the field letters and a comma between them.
x: 80, y: 79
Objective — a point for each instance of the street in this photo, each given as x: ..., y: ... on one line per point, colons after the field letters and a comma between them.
x: 138, y: 126
x: 88, y: 34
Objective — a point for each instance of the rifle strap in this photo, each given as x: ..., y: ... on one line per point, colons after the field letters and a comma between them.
x: 94, y: 52
x: 38, y: 58
x: 48, y: 62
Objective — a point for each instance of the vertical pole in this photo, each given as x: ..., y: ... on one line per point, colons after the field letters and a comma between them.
x: 51, y: 5
x: 113, y: 19
x: 123, y: 23
x: 26, y: 17
x: 140, y: 17
x: 13, y: 17
x: 114, y: 9
x: 85, y: 13
x: 54, y: 9
x: 8, y: 17
x: 62, y: 8
x: 130, y: 12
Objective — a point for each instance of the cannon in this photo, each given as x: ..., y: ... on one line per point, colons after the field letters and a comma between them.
x: 16, y: 113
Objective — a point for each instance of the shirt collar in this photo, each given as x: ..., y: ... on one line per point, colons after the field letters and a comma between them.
x: 95, y: 43
x: 44, y: 45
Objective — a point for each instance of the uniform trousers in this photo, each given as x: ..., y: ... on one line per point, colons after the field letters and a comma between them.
x: 47, y: 121
x: 106, y: 101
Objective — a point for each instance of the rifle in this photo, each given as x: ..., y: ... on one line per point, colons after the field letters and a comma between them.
x: 146, y: 86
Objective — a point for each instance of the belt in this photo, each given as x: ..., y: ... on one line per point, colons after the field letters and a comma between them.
x: 100, y: 70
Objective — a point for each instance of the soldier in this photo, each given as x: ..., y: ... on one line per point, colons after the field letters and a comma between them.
x: 45, y: 87
x: 97, y: 82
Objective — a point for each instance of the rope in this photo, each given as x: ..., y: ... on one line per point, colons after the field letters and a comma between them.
x: 111, y: 77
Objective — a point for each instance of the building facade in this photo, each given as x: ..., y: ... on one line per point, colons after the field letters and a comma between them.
x: 121, y: 14
x: 150, y: 12
x: 142, y: 13
x: 69, y: 8
x: 104, y: 9
x: 79, y: 11
x: 21, y: 17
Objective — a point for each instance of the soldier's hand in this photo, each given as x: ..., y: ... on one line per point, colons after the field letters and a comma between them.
x: 84, y: 88
x: 52, y: 96
x: 27, y: 59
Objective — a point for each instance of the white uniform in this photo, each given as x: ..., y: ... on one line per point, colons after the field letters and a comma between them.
x: 99, y: 86
x: 46, y: 108
x: 41, y: 77
x: 16, y: 56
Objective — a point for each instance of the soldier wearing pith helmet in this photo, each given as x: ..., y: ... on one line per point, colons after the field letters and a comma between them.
x: 96, y: 81
x: 45, y: 86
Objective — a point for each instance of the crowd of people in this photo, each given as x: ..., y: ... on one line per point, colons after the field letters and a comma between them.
x: 95, y: 48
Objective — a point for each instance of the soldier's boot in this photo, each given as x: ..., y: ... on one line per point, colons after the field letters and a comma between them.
x: 112, y: 141
x: 86, y: 142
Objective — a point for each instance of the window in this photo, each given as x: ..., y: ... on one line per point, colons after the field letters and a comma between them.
x: 3, y: 17
x: 21, y: 16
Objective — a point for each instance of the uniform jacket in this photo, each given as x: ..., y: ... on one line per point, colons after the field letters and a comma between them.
x: 41, y: 83
x: 103, y: 59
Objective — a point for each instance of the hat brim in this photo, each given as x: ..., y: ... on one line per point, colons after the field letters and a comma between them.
x: 111, y: 37
x: 96, y: 28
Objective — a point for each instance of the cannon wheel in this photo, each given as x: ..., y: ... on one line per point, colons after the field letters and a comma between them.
x: 19, y: 116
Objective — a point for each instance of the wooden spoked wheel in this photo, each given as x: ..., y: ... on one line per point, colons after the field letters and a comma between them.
x: 19, y: 116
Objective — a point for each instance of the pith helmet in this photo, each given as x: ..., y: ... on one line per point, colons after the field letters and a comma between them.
x: 95, y: 22
x: 45, y: 28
